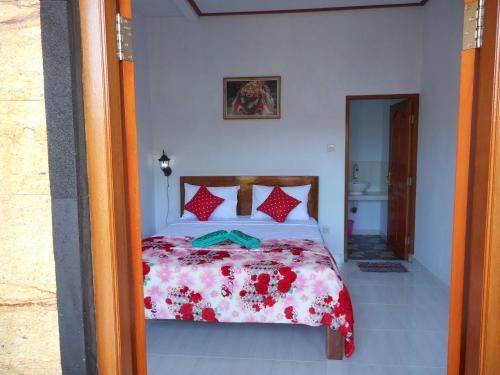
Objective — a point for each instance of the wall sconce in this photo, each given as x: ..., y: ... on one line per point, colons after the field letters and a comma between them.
x: 164, y: 161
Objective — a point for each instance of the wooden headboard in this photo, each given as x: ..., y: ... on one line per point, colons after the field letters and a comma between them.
x: 246, y: 182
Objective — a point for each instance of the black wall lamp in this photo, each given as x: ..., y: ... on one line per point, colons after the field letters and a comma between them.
x: 164, y: 161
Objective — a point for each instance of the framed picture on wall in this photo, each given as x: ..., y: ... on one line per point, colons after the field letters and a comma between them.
x: 252, y: 98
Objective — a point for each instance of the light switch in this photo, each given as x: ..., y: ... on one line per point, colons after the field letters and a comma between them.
x: 330, y: 147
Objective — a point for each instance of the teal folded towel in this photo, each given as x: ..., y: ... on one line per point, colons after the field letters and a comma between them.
x: 219, y: 236
x: 211, y: 239
x: 244, y: 239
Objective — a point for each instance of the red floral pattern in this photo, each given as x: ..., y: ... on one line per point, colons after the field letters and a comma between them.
x: 227, y: 288
x: 291, y: 314
x: 285, y: 281
x: 187, y: 304
x: 268, y: 282
x: 336, y: 314
x: 203, y: 256
x: 145, y: 270
x: 156, y: 243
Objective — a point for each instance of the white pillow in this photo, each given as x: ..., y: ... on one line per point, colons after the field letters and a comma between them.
x: 260, y: 194
x: 226, y: 210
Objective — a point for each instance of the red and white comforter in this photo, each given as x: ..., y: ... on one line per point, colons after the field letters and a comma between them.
x: 285, y: 281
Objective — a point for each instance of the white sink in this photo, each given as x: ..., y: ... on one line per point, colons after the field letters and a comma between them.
x: 358, y: 187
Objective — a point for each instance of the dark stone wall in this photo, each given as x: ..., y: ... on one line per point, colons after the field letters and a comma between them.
x: 68, y: 181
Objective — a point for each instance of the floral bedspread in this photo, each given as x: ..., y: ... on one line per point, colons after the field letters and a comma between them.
x: 284, y: 281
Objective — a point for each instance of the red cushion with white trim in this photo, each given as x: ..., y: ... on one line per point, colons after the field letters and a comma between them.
x: 278, y: 204
x: 203, y: 203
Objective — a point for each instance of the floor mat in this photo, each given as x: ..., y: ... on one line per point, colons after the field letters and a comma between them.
x: 369, y: 247
x: 382, y: 267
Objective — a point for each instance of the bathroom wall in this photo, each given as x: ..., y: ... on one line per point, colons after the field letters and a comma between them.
x: 370, y: 219
x: 369, y: 122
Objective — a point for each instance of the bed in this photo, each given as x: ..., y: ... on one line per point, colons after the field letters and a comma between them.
x: 291, y: 278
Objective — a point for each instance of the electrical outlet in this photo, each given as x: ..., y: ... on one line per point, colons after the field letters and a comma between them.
x: 325, y: 229
x: 330, y: 147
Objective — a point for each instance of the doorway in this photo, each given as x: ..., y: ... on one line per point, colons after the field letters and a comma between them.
x: 380, y: 176
x: 472, y: 308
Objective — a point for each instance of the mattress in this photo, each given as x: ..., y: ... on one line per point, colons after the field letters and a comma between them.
x: 263, y: 229
x: 291, y: 278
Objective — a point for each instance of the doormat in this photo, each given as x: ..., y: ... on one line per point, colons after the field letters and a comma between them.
x: 381, y: 267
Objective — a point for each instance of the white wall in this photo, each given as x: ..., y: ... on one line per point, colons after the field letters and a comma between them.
x: 369, y: 122
x: 442, y: 26
x: 322, y: 57
x: 369, y: 125
x: 370, y: 218
x: 144, y: 126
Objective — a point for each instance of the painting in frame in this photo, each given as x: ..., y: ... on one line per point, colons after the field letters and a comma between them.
x: 252, y: 98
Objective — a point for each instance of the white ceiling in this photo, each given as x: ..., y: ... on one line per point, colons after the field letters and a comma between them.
x: 157, y: 8
x: 181, y: 8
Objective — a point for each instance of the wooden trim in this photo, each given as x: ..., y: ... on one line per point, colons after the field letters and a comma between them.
x: 382, y: 96
x: 334, y: 344
x: 491, y: 323
x: 413, y: 100
x: 461, y: 215
x: 246, y: 182
x: 195, y: 7
x: 277, y: 116
x: 200, y: 13
x: 346, y: 176
x: 131, y: 159
x: 474, y: 329
x: 481, y: 307
x: 107, y: 196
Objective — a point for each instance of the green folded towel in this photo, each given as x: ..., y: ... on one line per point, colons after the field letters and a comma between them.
x: 210, y: 239
x: 219, y: 236
x: 244, y: 239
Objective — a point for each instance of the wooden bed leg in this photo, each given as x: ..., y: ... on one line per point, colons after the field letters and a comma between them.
x: 334, y: 344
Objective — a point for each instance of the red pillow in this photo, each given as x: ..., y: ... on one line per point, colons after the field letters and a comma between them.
x: 203, y: 203
x: 278, y: 205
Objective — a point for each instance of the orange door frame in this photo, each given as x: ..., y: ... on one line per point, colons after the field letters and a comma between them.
x: 474, y: 328
x: 109, y: 113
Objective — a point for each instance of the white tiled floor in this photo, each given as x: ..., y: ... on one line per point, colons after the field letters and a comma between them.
x: 401, y: 329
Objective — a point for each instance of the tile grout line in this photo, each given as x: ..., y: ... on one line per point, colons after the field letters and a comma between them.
x: 345, y: 361
x: 403, y: 329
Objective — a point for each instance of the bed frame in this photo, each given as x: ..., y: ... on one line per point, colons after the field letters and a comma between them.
x: 334, y: 340
x: 246, y: 182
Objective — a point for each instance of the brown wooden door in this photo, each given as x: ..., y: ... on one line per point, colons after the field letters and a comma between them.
x: 131, y: 159
x: 109, y: 98
x: 474, y: 329
x: 398, y: 179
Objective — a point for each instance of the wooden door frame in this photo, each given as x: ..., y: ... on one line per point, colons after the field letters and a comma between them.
x: 413, y: 100
x: 131, y: 158
x: 474, y: 327
x: 109, y: 115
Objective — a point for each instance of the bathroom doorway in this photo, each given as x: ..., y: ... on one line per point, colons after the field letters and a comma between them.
x: 380, y: 180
